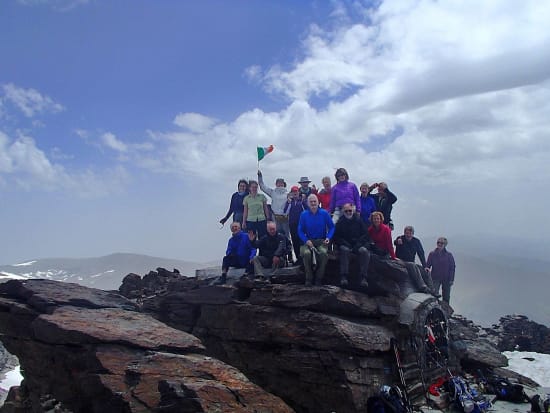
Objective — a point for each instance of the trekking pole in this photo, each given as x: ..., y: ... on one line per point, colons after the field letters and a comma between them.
x: 401, y: 375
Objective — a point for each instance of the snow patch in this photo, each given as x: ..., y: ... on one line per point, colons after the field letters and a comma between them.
x: 538, y: 369
x: 12, y: 378
x: 24, y: 264
x: 12, y: 276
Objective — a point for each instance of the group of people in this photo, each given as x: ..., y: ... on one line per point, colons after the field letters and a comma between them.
x: 301, y: 225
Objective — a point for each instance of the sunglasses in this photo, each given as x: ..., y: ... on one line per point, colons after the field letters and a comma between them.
x: 348, y: 211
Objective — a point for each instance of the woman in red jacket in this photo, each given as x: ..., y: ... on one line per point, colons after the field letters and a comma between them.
x: 380, y: 234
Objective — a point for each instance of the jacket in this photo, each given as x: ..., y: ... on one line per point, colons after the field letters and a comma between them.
x: 271, y: 245
x: 382, y: 238
x: 408, y: 250
x: 442, y: 264
x: 239, y: 245
x: 342, y: 193
x: 294, y: 209
x: 352, y: 233
x: 385, y: 204
x: 315, y: 226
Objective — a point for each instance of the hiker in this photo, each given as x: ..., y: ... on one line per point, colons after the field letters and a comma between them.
x: 342, y: 193
x: 351, y: 236
x: 384, y: 200
x: 271, y: 250
x: 441, y: 264
x: 294, y: 208
x: 239, y: 253
x: 324, y: 194
x: 315, y: 229
x: 380, y: 235
x: 255, y: 211
x: 368, y: 204
x: 236, y: 206
x: 279, y: 196
x: 407, y: 247
x: 305, y: 190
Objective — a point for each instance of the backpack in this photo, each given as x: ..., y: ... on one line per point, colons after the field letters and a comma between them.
x: 389, y: 400
x: 508, y: 391
x: 465, y: 398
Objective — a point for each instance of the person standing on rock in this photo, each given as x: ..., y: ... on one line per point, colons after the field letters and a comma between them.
x: 256, y: 211
x: 324, y: 194
x: 351, y: 236
x: 239, y: 253
x: 236, y: 206
x: 279, y: 196
x: 315, y: 229
x: 343, y: 192
x: 384, y: 200
x: 294, y: 208
x: 441, y: 264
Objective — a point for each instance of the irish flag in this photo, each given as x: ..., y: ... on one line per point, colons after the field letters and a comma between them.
x: 263, y: 151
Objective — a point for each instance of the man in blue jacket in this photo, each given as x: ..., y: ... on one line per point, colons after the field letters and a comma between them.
x: 315, y: 229
x: 239, y: 252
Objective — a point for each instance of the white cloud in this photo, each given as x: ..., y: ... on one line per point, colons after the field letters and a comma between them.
x: 59, y: 5
x: 111, y: 141
x: 438, y: 95
x: 24, y: 164
x: 194, y: 122
x: 29, y: 101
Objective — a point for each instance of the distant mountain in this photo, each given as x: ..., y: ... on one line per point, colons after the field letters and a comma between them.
x: 99, y: 272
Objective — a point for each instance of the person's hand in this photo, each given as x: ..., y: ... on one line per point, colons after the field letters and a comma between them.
x: 276, y: 261
x: 259, y: 173
x: 399, y: 241
x: 309, y: 243
x: 427, y: 269
x: 251, y: 235
x: 326, y: 241
x: 313, y: 187
x: 223, y: 221
x: 243, y: 226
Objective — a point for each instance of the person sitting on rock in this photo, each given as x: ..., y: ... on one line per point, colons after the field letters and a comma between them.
x: 343, y: 192
x: 239, y: 253
x: 384, y: 200
x: 271, y: 250
x: 351, y: 235
x: 380, y: 234
x: 324, y: 194
x: 315, y: 229
x: 294, y: 208
x: 279, y: 196
x: 407, y: 247
x: 441, y: 264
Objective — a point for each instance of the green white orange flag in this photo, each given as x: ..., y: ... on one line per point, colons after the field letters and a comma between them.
x: 263, y: 151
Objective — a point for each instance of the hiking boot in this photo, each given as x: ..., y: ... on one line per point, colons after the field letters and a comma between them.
x: 308, y: 281
x: 344, y: 281
x: 222, y: 280
x: 318, y: 281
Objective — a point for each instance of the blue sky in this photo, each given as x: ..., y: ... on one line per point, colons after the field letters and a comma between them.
x: 124, y: 126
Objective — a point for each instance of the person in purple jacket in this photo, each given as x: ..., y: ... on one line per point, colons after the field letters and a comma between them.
x: 441, y: 263
x: 343, y: 192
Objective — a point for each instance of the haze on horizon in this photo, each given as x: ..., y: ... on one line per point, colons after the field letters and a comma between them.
x: 124, y: 126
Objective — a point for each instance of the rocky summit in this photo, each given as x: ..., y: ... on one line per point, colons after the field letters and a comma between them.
x: 180, y: 344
